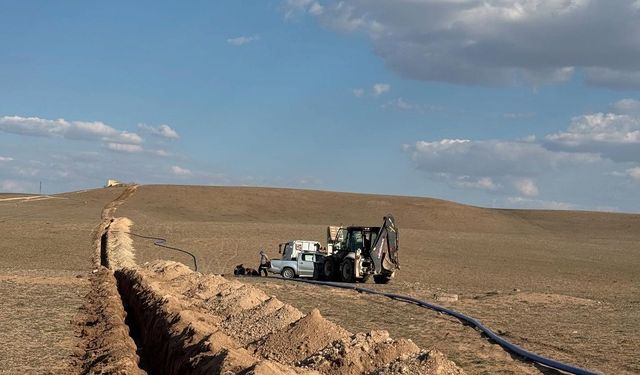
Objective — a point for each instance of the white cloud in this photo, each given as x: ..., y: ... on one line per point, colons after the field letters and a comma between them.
x: 162, y: 131
x: 381, y: 88
x: 6, y: 158
x: 526, y: 187
x: 518, y: 115
x: 124, y: 147
x: 544, y: 172
x: 496, y: 42
x: 612, y: 135
x: 76, y: 130
x: 402, y: 104
x: 27, y: 172
x: 316, y: 9
x: 160, y: 152
x: 13, y: 186
x: 483, y: 183
x: 631, y: 173
x: 627, y: 106
x: 634, y: 173
x: 491, y: 158
x: 529, y: 203
x: 179, y: 171
x: 294, y: 8
x: 358, y: 92
x: 242, y: 40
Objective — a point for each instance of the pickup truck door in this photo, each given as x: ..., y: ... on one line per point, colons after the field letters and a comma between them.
x: 305, y: 265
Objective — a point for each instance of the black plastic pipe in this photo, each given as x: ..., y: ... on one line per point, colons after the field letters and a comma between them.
x: 511, y: 347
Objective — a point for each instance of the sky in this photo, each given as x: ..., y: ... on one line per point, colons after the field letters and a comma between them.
x: 494, y: 103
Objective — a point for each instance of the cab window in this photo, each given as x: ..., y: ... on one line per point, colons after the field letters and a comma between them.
x: 307, y: 257
x: 288, y: 251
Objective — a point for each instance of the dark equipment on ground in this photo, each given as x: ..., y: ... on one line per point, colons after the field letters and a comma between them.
x: 242, y: 270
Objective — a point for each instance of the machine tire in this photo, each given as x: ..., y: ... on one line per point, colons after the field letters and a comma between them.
x: 347, y: 271
x: 288, y: 273
x: 327, y: 269
x: 381, y: 279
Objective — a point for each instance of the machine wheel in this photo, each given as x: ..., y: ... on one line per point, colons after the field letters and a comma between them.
x: 327, y: 269
x: 381, y: 279
x: 347, y: 271
x: 288, y: 273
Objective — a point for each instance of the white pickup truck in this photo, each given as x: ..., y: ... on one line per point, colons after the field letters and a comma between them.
x: 298, y: 258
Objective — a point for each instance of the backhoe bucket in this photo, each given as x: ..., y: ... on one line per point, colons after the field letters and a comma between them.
x: 384, y: 252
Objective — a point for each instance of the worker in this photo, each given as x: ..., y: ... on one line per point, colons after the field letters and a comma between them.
x: 265, y: 263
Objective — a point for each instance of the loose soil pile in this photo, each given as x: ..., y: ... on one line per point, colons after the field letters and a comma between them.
x: 186, y: 322
x: 302, y: 338
x: 431, y: 362
x: 360, y: 353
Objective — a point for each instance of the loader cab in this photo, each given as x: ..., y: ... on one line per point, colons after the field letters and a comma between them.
x: 350, y: 239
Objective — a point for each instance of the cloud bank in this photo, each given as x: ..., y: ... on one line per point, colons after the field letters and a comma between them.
x: 495, y: 42
x: 593, y: 148
x: 75, y: 130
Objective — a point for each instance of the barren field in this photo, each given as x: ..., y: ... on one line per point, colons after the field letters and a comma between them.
x: 563, y: 284
x: 45, y: 260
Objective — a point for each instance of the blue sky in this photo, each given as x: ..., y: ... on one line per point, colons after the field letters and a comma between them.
x: 529, y: 103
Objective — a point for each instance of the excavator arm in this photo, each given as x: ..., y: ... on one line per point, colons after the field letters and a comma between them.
x: 384, y: 253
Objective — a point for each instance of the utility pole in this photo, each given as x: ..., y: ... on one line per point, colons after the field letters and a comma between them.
x: 40, y: 187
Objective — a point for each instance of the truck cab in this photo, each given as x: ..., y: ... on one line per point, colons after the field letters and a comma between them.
x: 298, y: 259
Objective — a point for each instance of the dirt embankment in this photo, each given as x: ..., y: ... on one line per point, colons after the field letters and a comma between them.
x: 189, y: 323
x: 108, y: 347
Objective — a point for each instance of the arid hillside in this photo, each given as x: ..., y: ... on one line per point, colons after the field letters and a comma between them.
x: 574, y: 273
x: 444, y: 244
x: 564, y: 284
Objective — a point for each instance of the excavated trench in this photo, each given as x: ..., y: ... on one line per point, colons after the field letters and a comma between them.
x: 190, y: 323
x: 164, y: 318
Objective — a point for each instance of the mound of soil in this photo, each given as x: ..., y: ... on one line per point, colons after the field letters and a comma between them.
x: 168, y: 270
x: 268, y: 317
x: 359, y: 354
x: 232, y: 301
x: 426, y: 363
x: 301, y: 339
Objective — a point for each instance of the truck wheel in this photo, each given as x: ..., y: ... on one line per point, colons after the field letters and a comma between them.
x: 347, y: 271
x: 381, y: 279
x: 288, y: 273
x: 327, y: 270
